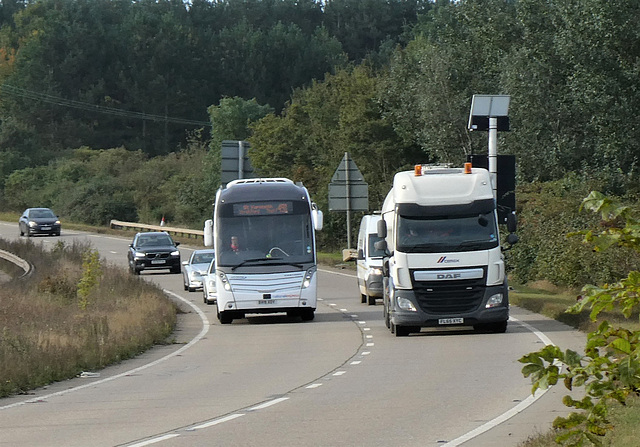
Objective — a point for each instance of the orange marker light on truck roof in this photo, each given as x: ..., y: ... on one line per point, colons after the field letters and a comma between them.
x: 417, y: 170
x: 467, y: 168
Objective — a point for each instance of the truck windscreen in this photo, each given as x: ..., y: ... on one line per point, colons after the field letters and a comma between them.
x: 438, y: 234
x: 264, y: 233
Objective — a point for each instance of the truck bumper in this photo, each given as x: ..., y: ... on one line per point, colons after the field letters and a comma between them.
x: 477, y: 316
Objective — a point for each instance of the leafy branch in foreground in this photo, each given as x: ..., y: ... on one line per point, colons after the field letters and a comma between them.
x: 609, y: 370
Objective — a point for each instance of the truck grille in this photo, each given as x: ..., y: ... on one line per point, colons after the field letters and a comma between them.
x: 449, y: 297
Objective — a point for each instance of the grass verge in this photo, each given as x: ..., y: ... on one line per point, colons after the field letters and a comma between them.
x: 69, y: 316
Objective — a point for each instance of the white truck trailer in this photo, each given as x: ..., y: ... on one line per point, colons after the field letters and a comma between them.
x: 444, y: 264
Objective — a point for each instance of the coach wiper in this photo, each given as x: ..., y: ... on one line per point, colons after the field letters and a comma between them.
x: 246, y: 261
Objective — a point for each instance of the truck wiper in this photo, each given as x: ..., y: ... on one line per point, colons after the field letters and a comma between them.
x: 474, y: 245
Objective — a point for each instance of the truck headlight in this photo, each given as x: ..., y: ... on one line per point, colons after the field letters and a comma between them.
x: 374, y: 271
x: 405, y: 304
x: 494, y: 301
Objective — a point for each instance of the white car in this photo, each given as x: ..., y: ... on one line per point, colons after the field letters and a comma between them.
x: 195, y: 267
x: 209, y: 284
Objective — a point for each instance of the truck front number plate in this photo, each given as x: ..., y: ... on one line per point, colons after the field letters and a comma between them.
x: 451, y: 321
x: 266, y: 301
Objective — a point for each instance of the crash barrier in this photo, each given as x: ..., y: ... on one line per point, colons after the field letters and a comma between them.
x: 24, y: 265
x: 185, y: 232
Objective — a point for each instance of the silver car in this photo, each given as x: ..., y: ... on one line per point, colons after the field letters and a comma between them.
x: 195, y: 267
x: 209, y: 284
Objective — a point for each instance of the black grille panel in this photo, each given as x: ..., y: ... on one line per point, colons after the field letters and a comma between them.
x: 157, y: 255
x: 449, y: 297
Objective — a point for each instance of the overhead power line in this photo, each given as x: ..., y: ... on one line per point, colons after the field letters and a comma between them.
x: 50, y: 99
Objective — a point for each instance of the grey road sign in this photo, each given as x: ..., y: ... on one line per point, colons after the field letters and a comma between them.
x: 348, y: 191
x: 235, y: 161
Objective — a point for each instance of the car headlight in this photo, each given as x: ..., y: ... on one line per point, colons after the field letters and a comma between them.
x: 175, y: 253
x: 32, y: 224
x: 57, y: 222
x: 405, y: 304
x: 494, y: 301
x: 140, y: 255
x: 195, y: 275
x: 211, y: 285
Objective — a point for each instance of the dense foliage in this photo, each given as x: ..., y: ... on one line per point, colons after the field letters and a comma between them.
x: 609, y: 370
x: 103, y: 104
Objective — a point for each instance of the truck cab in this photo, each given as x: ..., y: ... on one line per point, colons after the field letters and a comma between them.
x: 444, y: 265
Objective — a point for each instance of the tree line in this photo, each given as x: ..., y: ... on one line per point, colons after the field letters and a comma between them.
x: 390, y: 82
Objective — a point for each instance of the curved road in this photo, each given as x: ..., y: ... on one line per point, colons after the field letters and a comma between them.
x: 340, y: 380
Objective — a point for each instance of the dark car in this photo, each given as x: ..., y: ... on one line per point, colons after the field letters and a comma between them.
x: 39, y: 221
x: 153, y: 250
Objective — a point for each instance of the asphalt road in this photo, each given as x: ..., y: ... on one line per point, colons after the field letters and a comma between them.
x: 340, y: 380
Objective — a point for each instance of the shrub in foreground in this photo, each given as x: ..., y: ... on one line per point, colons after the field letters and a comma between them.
x: 68, y: 317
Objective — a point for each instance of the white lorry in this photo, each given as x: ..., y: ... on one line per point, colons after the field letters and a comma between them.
x: 444, y: 265
x: 369, y: 260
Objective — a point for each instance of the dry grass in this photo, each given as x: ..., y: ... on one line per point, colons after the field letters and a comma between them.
x: 46, y: 336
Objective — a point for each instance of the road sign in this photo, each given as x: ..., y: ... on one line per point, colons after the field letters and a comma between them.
x: 348, y: 191
x: 235, y: 161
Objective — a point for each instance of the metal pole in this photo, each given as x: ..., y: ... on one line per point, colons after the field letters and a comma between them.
x: 346, y: 163
x: 240, y: 159
x: 493, y: 154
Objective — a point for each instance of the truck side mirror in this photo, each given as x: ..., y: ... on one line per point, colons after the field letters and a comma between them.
x: 512, y: 222
x: 512, y: 238
x: 382, y: 229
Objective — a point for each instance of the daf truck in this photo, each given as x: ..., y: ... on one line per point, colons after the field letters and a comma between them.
x: 444, y: 266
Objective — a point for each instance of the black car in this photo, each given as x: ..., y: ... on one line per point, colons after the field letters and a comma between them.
x: 153, y: 250
x: 39, y: 221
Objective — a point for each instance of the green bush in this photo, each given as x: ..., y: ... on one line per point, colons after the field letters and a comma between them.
x: 548, y: 212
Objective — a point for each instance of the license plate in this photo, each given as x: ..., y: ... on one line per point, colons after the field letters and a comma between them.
x: 158, y: 261
x: 451, y: 321
x: 266, y: 301
x: 45, y: 228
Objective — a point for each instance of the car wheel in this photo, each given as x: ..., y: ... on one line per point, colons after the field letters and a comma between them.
x: 176, y: 269
x: 371, y: 300
x: 363, y: 298
x: 191, y: 289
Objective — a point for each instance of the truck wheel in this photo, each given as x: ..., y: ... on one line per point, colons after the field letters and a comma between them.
x: 371, y: 300
x: 363, y: 298
x: 402, y: 331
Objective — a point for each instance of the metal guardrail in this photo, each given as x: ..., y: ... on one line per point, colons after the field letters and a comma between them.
x: 185, y: 232
x: 24, y: 265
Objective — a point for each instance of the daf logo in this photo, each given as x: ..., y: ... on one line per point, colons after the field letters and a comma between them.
x: 449, y: 276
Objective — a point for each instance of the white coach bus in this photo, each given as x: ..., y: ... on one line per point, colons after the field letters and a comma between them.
x: 263, y: 233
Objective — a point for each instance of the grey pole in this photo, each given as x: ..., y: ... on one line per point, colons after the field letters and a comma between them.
x: 346, y: 162
x: 493, y: 154
x: 240, y: 159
